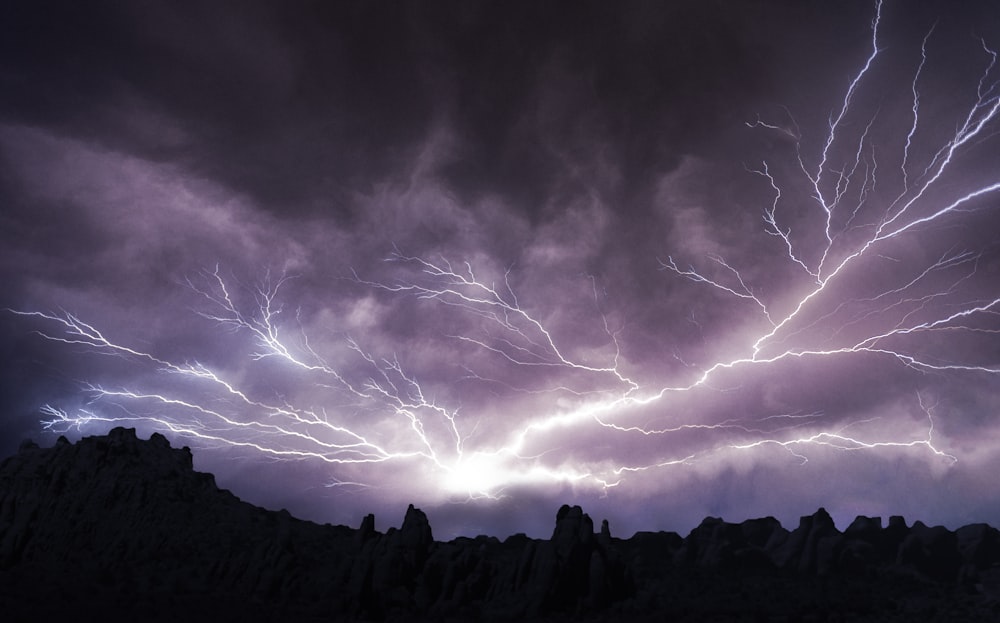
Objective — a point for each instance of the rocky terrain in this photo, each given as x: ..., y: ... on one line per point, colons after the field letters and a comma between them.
x: 114, y: 526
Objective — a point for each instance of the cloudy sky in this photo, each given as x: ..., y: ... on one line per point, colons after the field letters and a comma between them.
x: 661, y: 259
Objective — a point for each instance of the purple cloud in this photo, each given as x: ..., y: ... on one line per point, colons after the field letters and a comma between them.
x: 660, y: 262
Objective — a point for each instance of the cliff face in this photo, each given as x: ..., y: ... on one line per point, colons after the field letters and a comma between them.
x: 114, y: 525
x: 122, y: 524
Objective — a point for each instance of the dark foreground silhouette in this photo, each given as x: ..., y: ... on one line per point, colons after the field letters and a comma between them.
x: 115, y: 527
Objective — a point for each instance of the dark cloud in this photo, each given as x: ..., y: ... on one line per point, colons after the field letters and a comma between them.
x: 545, y: 158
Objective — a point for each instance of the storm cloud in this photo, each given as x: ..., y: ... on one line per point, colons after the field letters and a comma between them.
x: 659, y: 259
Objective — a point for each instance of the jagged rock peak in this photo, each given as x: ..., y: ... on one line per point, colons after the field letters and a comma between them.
x: 416, y: 529
x: 573, y: 520
x: 367, y: 529
x: 820, y: 520
x: 863, y: 525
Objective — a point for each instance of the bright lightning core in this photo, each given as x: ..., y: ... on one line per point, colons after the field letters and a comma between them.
x: 515, y: 394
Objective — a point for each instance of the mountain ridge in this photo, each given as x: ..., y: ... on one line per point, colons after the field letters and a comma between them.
x: 116, y: 524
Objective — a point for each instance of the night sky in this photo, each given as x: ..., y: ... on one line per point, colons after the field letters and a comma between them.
x: 661, y: 259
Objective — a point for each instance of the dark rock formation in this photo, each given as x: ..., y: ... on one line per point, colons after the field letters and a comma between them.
x: 115, y: 527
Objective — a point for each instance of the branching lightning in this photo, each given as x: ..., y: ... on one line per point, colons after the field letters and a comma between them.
x: 367, y: 408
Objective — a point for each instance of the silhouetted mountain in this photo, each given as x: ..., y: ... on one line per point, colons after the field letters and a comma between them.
x: 114, y: 527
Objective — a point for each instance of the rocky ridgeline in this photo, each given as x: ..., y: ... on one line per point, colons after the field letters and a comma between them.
x: 118, y: 525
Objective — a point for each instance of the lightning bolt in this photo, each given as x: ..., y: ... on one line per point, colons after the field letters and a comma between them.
x: 375, y: 411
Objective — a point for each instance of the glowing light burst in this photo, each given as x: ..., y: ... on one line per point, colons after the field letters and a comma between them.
x: 866, y: 202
